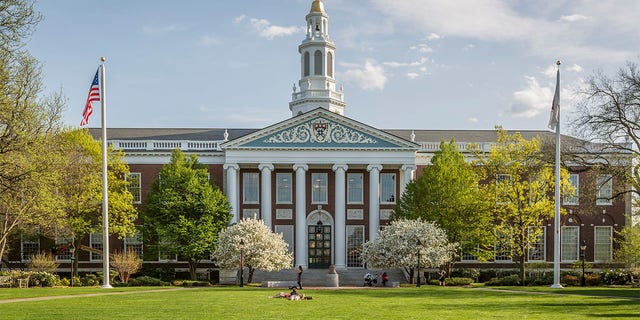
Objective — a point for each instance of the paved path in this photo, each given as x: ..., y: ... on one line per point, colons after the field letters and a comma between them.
x: 86, y: 295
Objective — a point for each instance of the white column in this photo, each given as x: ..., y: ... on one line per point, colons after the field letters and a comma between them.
x: 340, y: 216
x: 409, y: 171
x: 265, y: 212
x: 301, y: 214
x: 374, y: 200
x: 232, y: 189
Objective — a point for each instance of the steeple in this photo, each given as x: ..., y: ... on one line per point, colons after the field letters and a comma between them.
x: 317, y: 85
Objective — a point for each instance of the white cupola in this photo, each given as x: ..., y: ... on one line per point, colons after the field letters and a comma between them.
x: 317, y: 85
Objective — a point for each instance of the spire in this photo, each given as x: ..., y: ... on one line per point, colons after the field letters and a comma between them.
x: 317, y: 86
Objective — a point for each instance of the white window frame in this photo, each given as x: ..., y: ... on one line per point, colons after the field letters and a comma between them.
x: 540, y: 244
x: 63, y: 242
x: 355, y: 240
x: 251, y: 187
x: 284, y: 192
x: 319, y: 188
x: 29, y: 245
x: 355, y: 188
x: 570, y: 244
x: 135, y: 243
x: 502, y: 251
x: 602, y: 248
x: 604, y: 190
x: 163, y: 256
x: 573, y: 199
x: 96, y: 241
x: 388, y: 196
x: 135, y: 186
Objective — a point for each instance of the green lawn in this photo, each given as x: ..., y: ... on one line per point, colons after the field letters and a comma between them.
x: 427, y: 302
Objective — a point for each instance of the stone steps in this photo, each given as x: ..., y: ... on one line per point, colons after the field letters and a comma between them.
x: 319, y: 278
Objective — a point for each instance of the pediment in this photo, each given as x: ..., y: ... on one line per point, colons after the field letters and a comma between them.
x: 320, y: 129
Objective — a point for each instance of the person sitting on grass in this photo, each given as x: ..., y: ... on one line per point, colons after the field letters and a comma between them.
x: 293, y: 296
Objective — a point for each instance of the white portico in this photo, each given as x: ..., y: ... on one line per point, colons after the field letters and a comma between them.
x: 314, y: 157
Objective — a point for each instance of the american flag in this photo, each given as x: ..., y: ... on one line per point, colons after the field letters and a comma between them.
x: 94, y: 95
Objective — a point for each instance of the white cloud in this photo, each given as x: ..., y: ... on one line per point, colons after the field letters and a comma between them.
x: 370, y: 76
x: 433, y: 36
x: 239, y: 18
x: 395, y: 64
x: 422, y: 48
x: 575, y: 68
x: 472, y: 119
x: 412, y: 75
x: 267, y: 30
x: 530, y: 101
x: 573, y: 18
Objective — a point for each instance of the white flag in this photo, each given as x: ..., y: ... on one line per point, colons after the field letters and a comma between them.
x: 554, y: 119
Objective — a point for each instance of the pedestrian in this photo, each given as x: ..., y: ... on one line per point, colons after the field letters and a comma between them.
x: 384, y: 278
x: 441, y: 276
x: 299, y: 276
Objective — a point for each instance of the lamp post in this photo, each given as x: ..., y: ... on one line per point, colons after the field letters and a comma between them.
x: 72, y: 251
x: 241, y: 264
x: 419, y: 244
x: 583, y: 247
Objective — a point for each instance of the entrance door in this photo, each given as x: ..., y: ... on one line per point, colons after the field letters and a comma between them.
x: 319, y: 246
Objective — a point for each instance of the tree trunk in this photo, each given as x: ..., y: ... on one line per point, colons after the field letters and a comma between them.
x: 193, y: 266
x: 411, y: 273
x: 251, y: 270
x: 523, y: 275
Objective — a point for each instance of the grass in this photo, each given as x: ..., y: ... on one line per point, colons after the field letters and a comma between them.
x: 427, y: 302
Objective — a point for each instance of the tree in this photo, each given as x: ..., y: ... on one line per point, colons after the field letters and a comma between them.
x: 261, y: 248
x: 28, y: 124
x: 522, y: 185
x: 397, y: 246
x: 449, y: 194
x: 80, y: 188
x: 125, y: 264
x: 629, y: 250
x: 185, y: 211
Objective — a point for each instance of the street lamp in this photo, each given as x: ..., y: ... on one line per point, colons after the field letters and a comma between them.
x: 241, y: 264
x: 583, y: 247
x: 72, y: 250
x: 419, y: 243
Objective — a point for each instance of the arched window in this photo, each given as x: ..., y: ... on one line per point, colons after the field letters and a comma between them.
x: 317, y: 57
x: 330, y: 64
x: 306, y: 64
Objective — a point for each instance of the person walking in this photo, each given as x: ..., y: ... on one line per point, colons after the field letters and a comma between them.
x: 299, y: 276
x: 442, y: 274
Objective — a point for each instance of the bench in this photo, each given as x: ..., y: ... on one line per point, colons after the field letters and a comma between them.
x: 6, y: 281
x: 279, y: 284
x: 23, y: 282
x: 635, y: 282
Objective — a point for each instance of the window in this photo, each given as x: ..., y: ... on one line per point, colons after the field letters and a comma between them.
x: 283, y: 188
x: 250, y: 187
x: 469, y: 252
x: 604, y: 185
x: 307, y: 64
x: 502, y: 249
x: 355, y: 240
x: 330, y: 64
x: 95, y: 242
x: 503, y: 181
x: 164, y: 252
x: 572, y: 199
x: 134, y: 243
x: 135, y: 186
x: 317, y: 63
x: 62, y: 244
x: 388, y: 188
x: 569, y: 243
x: 602, y: 246
x: 537, y: 248
x: 30, y: 245
x: 354, y: 188
x: 319, y: 188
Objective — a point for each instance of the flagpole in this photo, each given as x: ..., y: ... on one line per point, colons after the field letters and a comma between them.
x: 105, y: 193
x: 556, y: 217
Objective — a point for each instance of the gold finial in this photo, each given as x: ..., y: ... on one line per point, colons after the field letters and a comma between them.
x: 558, y: 62
x: 103, y: 59
x: 317, y: 6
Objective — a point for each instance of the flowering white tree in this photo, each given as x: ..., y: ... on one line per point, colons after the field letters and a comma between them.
x: 397, y: 246
x: 261, y: 248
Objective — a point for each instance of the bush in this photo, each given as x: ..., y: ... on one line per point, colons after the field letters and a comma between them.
x: 43, y: 262
x: 541, y: 280
x: 512, y: 280
x: 89, y: 280
x: 43, y: 279
x: 466, y: 273
x: 147, y: 281
x: 593, y: 279
x: 458, y: 281
x: 570, y: 280
x: 126, y: 264
x: 64, y: 282
x: 615, y: 277
x: 191, y: 283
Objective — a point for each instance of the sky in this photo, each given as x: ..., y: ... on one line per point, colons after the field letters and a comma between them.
x: 403, y: 64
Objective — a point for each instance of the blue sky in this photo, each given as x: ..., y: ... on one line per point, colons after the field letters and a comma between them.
x: 404, y: 64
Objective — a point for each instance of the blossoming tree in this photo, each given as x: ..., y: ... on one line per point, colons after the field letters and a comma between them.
x: 261, y: 248
x: 399, y: 244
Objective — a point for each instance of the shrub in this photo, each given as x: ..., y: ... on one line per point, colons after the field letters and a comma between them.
x: 64, y: 282
x: 593, y: 279
x: 43, y: 262
x: 466, y: 273
x: 570, y: 280
x: 43, y: 279
x: 126, y: 264
x: 458, y: 281
x: 89, y: 280
x: 512, y: 280
x: 191, y: 283
x: 147, y: 281
x: 615, y: 277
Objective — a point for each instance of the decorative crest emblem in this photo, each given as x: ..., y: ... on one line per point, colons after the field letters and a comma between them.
x: 320, y: 130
